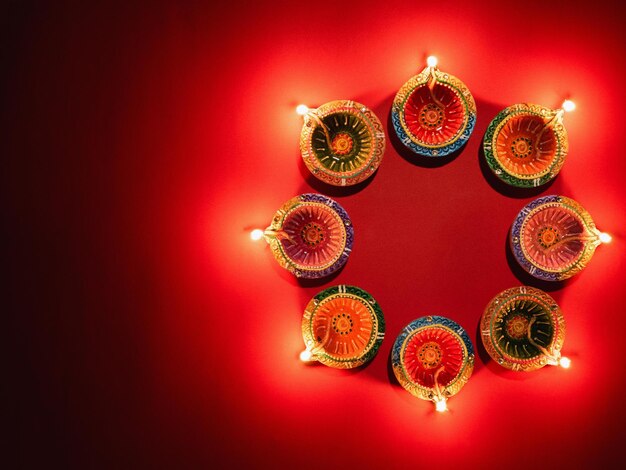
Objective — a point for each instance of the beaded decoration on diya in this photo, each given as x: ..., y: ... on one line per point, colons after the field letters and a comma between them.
x: 342, y: 143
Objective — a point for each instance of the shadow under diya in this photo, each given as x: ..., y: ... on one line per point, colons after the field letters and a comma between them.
x: 554, y: 237
x: 433, y: 358
x: 342, y: 327
x: 311, y: 236
x: 526, y: 144
x: 523, y: 329
x: 433, y: 113
x: 342, y: 142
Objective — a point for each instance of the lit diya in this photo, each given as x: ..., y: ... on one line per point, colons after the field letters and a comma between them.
x: 553, y: 238
x: 342, y: 142
x: 526, y: 144
x: 342, y: 327
x: 433, y: 358
x: 433, y: 113
x: 523, y: 329
x: 311, y: 235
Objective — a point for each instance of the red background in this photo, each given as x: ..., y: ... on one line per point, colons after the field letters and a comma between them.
x: 141, y: 144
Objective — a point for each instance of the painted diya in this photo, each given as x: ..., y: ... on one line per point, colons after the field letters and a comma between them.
x: 553, y: 238
x: 526, y: 144
x: 342, y: 142
x: 433, y: 358
x: 523, y: 329
x: 342, y: 327
x: 434, y: 113
x: 311, y: 236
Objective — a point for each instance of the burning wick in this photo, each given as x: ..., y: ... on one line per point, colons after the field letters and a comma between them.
x: 306, y: 355
x: 565, y: 362
x: 302, y: 109
x: 431, y: 62
x: 439, y: 398
x: 441, y: 405
x: 256, y: 234
x: 605, y: 237
x: 568, y: 106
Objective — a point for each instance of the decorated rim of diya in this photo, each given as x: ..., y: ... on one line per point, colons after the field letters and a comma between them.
x: 342, y: 327
x: 342, y: 142
x: 433, y: 113
x: 526, y: 144
x: 553, y: 238
x: 523, y: 329
x: 311, y: 236
x: 433, y: 358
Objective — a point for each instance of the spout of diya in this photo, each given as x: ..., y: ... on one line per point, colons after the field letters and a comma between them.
x: 310, y: 114
x: 313, y: 349
x: 439, y: 396
x: 271, y: 234
x: 432, y: 71
x: 556, y: 359
x: 310, y: 354
x: 602, y: 237
x: 557, y: 118
x: 594, y: 236
x: 553, y: 355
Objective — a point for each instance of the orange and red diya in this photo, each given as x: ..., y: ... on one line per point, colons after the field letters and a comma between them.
x: 342, y: 142
x: 311, y: 236
x: 342, y: 327
x: 433, y: 358
x: 523, y: 329
x: 553, y: 238
x: 526, y: 144
x: 433, y: 113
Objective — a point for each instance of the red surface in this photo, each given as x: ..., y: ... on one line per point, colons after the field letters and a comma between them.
x: 141, y: 143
